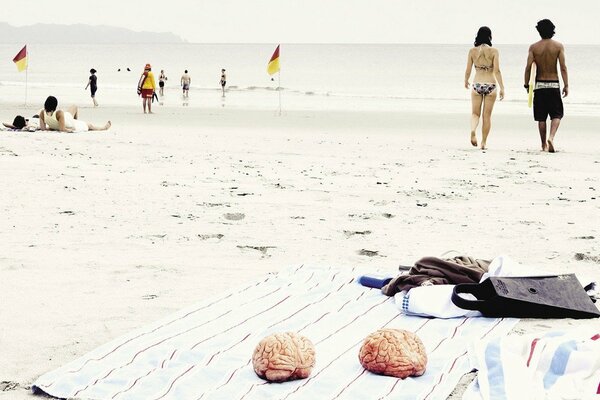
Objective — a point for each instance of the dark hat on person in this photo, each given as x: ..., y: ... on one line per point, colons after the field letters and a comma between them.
x: 19, y: 122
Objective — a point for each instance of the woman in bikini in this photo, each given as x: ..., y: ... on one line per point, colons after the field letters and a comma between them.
x: 486, y: 61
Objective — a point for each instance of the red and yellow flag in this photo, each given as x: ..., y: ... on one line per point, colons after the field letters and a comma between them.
x: 21, y: 59
x: 273, y: 66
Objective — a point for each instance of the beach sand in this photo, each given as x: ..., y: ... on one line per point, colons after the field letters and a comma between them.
x: 105, y: 232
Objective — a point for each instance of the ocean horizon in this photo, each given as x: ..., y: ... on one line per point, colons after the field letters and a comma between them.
x: 413, y: 77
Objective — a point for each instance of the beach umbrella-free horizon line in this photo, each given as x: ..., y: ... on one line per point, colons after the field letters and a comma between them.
x: 274, y: 68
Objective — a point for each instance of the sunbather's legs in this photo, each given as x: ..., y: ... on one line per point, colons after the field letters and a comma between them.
x: 74, y: 111
x: 99, y: 128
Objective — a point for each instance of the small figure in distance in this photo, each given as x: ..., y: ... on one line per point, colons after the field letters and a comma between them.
x: 486, y: 61
x: 161, y: 82
x: 146, y: 87
x: 186, y: 81
x: 93, y: 85
x: 64, y: 121
x: 223, y: 81
x: 546, y: 54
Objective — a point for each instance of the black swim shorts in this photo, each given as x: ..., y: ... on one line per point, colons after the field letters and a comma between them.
x: 547, y: 102
x: 161, y: 84
x: 93, y: 89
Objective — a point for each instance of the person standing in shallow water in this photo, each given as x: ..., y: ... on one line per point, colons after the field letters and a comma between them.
x: 161, y: 82
x: 546, y: 95
x: 223, y: 81
x: 486, y: 61
x: 186, y: 81
x: 93, y: 85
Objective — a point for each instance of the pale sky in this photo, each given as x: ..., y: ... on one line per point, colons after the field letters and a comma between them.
x: 323, y: 21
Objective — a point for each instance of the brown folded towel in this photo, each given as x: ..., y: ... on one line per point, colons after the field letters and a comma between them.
x: 437, y: 271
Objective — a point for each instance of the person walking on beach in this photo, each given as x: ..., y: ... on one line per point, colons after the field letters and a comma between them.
x: 486, y: 61
x: 547, y: 100
x: 92, y: 84
x: 186, y: 80
x: 223, y: 81
x: 64, y: 121
x: 161, y: 82
x: 146, y: 87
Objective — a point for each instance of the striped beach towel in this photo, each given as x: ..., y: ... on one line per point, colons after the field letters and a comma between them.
x: 555, y: 365
x: 204, y: 352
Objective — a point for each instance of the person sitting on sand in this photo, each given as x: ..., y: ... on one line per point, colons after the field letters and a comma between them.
x: 64, y: 121
x: 546, y: 54
x: 485, y: 59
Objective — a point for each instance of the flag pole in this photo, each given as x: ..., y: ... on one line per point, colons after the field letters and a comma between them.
x: 26, y: 81
x: 279, y: 90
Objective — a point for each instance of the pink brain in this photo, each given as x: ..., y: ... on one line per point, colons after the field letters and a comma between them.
x: 393, y: 352
x: 284, y: 357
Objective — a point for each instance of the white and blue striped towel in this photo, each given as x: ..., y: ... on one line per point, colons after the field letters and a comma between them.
x: 554, y: 365
x: 204, y: 352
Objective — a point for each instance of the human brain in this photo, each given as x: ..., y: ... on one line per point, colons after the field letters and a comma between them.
x: 284, y: 357
x: 393, y: 352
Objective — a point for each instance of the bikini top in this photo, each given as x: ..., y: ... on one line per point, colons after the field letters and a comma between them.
x: 481, y: 55
x: 484, y: 67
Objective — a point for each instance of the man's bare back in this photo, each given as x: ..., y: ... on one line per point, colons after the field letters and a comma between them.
x: 546, y: 53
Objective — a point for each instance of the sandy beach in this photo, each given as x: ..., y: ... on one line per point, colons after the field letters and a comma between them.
x: 105, y: 232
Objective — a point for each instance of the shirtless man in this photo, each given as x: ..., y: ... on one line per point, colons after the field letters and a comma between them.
x: 186, y: 80
x: 547, y: 101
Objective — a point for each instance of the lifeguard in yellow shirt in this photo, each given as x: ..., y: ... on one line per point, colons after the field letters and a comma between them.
x: 146, y: 87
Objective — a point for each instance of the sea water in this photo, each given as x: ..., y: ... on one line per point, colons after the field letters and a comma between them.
x: 313, y: 76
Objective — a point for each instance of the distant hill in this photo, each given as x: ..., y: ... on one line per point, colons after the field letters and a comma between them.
x: 81, y: 34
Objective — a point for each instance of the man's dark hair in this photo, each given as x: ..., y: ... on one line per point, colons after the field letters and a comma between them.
x: 186, y: 71
x: 51, y: 104
x: 546, y: 28
x: 484, y: 36
x: 19, y: 122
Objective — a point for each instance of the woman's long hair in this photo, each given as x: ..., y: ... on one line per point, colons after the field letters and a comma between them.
x: 484, y: 36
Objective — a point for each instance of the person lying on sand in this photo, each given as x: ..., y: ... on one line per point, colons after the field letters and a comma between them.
x: 23, y: 124
x: 64, y: 121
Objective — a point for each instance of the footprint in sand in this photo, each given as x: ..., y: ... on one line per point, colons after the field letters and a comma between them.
x: 6, y: 386
x: 352, y: 233
x: 234, y: 216
x: 586, y: 257
x: 262, y: 249
x: 369, y: 253
x: 217, y: 236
